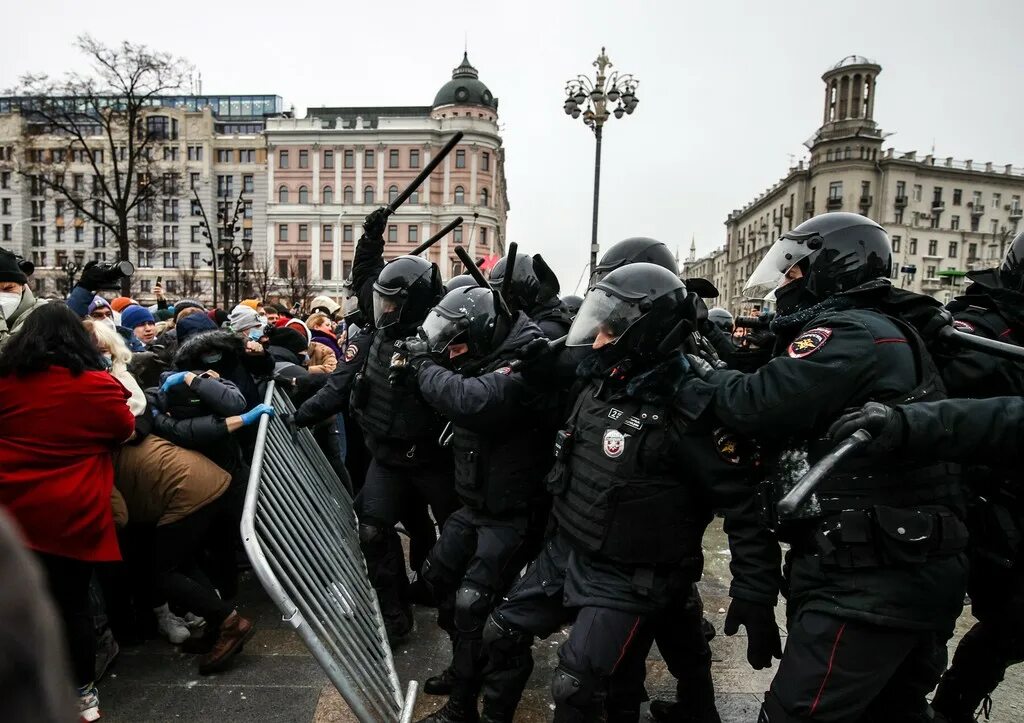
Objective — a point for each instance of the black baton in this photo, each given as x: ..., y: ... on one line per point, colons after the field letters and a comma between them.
x: 427, y: 170
x: 437, y: 237
x: 822, y: 469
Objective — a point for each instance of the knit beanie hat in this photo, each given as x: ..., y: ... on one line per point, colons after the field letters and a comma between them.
x: 97, y: 302
x: 135, y: 315
x: 183, y: 304
x: 10, y: 270
x: 251, y: 303
x: 218, y: 316
x: 300, y: 326
x: 193, y: 324
x: 289, y: 339
x: 120, y: 302
x: 243, y: 317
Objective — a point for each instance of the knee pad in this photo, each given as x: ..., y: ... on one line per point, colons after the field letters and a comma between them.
x: 574, y: 689
x: 471, y: 607
x: 503, y: 638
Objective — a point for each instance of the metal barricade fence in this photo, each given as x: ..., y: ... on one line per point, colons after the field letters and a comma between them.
x: 300, y: 532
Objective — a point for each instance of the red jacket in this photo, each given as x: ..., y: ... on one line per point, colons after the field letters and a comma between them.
x: 56, y: 474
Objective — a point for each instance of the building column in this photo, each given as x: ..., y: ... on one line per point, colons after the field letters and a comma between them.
x: 358, y: 190
x: 336, y: 270
x: 314, y: 242
x: 424, y: 235
x: 426, y: 182
x: 316, y: 172
x: 473, y: 160
x: 271, y: 235
x: 381, y: 192
x: 270, y: 175
x: 339, y: 195
x: 446, y: 188
x: 443, y: 258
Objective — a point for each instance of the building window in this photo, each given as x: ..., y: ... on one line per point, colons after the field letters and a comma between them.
x: 828, y: 155
x: 913, y: 247
x: 225, y: 186
x: 282, y: 194
x: 282, y: 232
x: 935, y: 220
x: 460, y: 159
x: 303, y: 268
x: 835, y: 191
x: 303, y: 194
x: 195, y: 153
x: 282, y: 159
x: 223, y: 155
x: 954, y: 222
x: 282, y: 268
x: 392, y: 233
x: 247, y: 183
x: 929, y: 272
x: 895, y: 244
x: 957, y: 196
x: 392, y: 193
x: 349, y: 196
x: 5, y: 179
x: 346, y: 233
x: 414, y: 197
x: 414, y: 158
x: 901, y: 189
x: 483, y: 197
x: 846, y: 153
x: 195, y: 233
x: 193, y: 180
x: 368, y: 158
x: 328, y: 195
x: 303, y: 232
x: 414, y: 233
x: 5, y: 207
x: 483, y: 236
x: 7, y: 232
x: 247, y: 155
x: 350, y: 159
x: 393, y: 158
x: 457, y: 235
x: 977, y: 199
x: 327, y: 232
x: 325, y: 266
x: 933, y: 248
x: 328, y: 159
x: 170, y: 153
x: 953, y: 249
x: 460, y: 195
x: 972, y: 252
x: 997, y: 198
x: 368, y: 195
x: 898, y: 216
x: 303, y: 159
x: 485, y: 162
x: 917, y: 192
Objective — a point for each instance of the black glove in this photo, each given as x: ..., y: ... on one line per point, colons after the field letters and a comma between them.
x: 95, y: 277
x: 885, y: 424
x: 763, y: 642
x: 375, y: 223
x: 761, y: 338
x: 701, y: 368
x: 417, y: 352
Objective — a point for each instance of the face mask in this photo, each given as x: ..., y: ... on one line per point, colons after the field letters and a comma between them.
x: 256, y: 334
x: 8, y: 303
x: 109, y: 322
x: 107, y: 362
x: 788, y: 298
x: 211, y: 358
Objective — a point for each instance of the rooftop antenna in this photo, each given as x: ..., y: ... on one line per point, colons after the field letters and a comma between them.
x: 199, y: 84
x: 465, y: 42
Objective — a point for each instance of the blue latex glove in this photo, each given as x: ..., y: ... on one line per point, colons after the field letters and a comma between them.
x: 254, y: 414
x: 173, y: 381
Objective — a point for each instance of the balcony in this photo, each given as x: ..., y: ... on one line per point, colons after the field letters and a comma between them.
x: 1016, y: 212
x: 901, y: 202
x: 938, y: 206
x: 977, y: 209
x: 834, y: 204
x: 787, y: 212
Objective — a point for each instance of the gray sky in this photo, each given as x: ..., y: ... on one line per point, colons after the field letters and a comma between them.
x: 728, y: 89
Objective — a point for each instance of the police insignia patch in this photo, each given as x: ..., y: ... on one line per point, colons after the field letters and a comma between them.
x: 350, y: 352
x: 809, y: 342
x: 614, y: 443
x: 963, y: 326
x: 727, y: 446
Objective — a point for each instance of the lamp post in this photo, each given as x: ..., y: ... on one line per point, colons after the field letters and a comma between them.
x: 597, y: 100
x: 224, y: 246
x: 234, y: 259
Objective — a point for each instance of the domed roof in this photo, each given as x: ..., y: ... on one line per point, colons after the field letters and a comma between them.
x: 851, y: 60
x: 465, y: 88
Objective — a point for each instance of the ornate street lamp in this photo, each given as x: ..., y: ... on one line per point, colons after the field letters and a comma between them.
x: 597, y: 100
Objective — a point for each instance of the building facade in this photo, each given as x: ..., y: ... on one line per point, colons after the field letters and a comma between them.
x: 327, y: 171
x: 944, y: 216
x: 213, y: 144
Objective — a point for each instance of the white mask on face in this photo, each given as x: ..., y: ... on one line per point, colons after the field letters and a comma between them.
x: 8, y: 303
x: 109, y: 321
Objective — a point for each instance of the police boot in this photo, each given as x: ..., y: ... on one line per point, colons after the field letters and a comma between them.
x: 439, y: 684
x: 456, y: 710
x: 950, y: 705
x: 695, y: 701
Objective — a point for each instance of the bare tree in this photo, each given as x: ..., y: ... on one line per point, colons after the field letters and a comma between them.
x: 299, y: 285
x: 191, y: 286
x: 262, y: 276
x: 100, y: 119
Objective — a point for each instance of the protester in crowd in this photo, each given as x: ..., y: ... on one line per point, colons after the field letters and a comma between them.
x: 119, y: 303
x: 142, y: 324
x: 61, y: 414
x: 16, y: 298
x: 100, y: 310
x: 322, y: 330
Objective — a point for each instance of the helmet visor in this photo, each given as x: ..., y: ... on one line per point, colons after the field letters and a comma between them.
x: 602, y: 320
x: 442, y: 332
x: 784, y: 254
x: 387, y: 308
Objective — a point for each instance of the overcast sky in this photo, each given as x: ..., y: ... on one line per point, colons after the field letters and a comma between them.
x: 729, y: 90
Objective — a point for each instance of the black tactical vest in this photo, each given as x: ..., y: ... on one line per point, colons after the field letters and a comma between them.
x: 616, y: 494
x: 392, y: 415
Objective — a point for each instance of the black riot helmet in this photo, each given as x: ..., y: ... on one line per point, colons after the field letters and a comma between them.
x: 457, y: 282
x: 470, y: 316
x: 835, y: 251
x: 629, y: 312
x: 1010, y: 273
x: 634, y: 250
x: 572, y: 304
x: 404, y: 292
x: 533, y: 282
x: 722, y: 319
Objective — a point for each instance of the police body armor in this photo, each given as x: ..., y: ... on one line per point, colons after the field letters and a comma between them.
x: 399, y: 426
x: 877, y: 513
x: 554, y: 318
x: 615, y: 496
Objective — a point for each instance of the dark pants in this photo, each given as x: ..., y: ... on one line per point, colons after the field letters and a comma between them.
x: 680, y: 635
x: 380, y: 504
x: 470, y: 567
x: 845, y: 670
x: 68, y: 582
x: 176, y: 574
x: 599, y: 641
x: 994, y: 643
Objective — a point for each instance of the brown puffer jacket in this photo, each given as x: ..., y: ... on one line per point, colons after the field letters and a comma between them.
x: 163, y: 483
x: 321, y: 359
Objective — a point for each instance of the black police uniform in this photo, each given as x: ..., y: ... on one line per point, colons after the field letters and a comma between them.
x: 995, y: 508
x: 552, y: 318
x: 876, y: 575
x: 501, y: 428
x: 628, y: 539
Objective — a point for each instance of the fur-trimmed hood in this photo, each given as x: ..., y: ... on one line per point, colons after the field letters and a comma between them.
x: 189, y: 354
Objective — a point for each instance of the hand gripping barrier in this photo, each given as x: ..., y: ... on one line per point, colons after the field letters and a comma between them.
x: 300, y: 532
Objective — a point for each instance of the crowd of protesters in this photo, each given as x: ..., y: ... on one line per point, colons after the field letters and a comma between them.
x: 126, y: 432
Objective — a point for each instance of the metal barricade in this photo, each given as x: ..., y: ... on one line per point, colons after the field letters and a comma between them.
x: 300, y: 532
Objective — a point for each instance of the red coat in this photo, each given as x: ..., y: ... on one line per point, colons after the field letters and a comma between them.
x: 56, y: 474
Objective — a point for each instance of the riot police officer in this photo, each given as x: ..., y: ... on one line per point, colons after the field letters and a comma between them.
x: 457, y: 282
x: 500, y: 423
x: 572, y: 303
x: 722, y: 319
x: 401, y: 432
x: 637, y: 249
x: 628, y: 523
x: 533, y: 289
x: 876, y: 569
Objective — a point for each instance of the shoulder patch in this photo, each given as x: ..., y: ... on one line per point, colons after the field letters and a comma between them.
x: 961, y: 325
x: 727, y: 446
x: 350, y: 352
x: 809, y: 342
